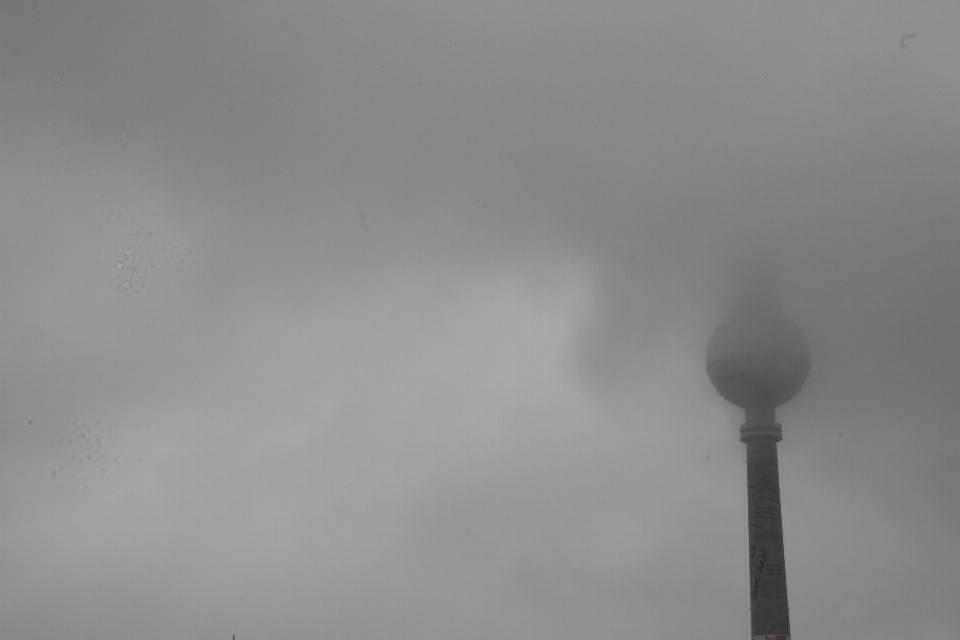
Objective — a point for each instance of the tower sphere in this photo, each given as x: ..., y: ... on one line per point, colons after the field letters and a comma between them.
x: 758, y: 358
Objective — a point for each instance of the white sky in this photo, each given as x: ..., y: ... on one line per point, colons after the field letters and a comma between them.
x: 387, y: 320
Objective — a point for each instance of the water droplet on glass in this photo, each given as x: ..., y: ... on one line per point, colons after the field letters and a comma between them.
x: 60, y: 148
x: 56, y: 78
x: 96, y: 229
x: 123, y: 136
x: 127, y: 118
x: 123, y: 209
x: 126, y: 285
x: 133, y: 238
x: 175, y: 243
x: 119, y: 265
x: 93, y: 172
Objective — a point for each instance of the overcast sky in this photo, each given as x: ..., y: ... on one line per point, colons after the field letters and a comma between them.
x: 388, y: 320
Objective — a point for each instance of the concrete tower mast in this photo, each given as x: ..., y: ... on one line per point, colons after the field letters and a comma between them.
x: 758, y: 359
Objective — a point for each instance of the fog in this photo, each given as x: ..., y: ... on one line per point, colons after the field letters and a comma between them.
x: 388, y: 320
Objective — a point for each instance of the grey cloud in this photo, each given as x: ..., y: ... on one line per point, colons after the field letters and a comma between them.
x: 427, y: 358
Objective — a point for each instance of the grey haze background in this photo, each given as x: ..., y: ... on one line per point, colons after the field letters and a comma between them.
x: 387, y: 320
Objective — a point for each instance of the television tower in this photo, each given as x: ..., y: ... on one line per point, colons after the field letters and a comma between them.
x: 758, y: 359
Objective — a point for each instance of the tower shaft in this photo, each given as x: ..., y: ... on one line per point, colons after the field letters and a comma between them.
x: 769, y: 613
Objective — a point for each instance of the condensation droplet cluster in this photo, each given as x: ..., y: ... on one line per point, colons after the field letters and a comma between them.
x: 144, y: 247
x: 88, y: 449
